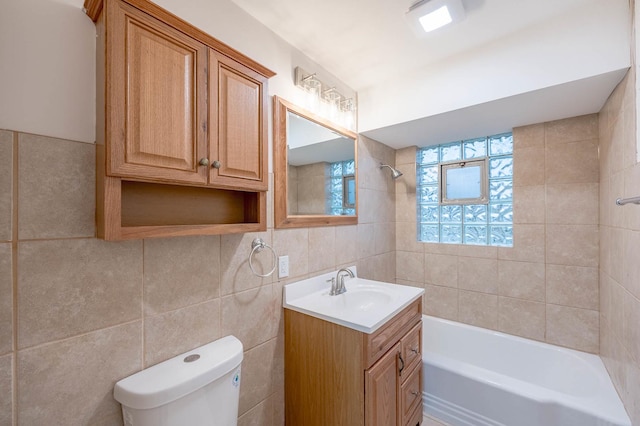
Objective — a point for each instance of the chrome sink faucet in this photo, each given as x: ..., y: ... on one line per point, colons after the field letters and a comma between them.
x: 337, y: 283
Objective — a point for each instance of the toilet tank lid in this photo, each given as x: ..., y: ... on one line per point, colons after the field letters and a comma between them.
x: 175, y: 378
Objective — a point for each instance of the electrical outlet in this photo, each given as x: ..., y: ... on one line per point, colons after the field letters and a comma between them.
x: 283, y: 266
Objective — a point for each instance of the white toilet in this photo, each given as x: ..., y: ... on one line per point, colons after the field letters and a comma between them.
x: 200, y: 387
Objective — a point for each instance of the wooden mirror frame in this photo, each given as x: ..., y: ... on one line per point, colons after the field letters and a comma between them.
x: 280, y: 166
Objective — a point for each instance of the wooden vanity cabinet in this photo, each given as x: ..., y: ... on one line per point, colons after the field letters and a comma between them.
x: 338, y: 376
x: 181, y: 127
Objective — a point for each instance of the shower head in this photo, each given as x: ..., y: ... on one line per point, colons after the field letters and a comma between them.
x: 395, y: 173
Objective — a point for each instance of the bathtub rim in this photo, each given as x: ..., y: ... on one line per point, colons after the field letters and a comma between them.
x: 616, y: 412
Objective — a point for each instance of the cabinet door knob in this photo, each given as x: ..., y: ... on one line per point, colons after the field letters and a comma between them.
x: 204, y: 162
x: 216, y: 164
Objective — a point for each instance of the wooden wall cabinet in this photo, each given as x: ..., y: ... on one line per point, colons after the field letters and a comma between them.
x: 335, y: 375
x: 181, y: 127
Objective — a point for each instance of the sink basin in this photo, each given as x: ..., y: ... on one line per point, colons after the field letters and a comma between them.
x: 365, y: 306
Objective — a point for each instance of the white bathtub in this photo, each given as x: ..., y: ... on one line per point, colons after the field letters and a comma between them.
x: 479, y: 377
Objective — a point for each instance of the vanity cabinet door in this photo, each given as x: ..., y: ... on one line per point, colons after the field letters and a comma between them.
x: 157, y: 112
x: 237, y: 116
x: 382, y: 385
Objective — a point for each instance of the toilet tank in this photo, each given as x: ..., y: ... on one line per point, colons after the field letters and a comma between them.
x: 200, y: 387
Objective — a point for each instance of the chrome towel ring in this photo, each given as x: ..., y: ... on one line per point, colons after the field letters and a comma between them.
x: 257, y: 245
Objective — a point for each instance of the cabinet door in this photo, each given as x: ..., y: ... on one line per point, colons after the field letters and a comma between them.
x: 156, y: 105
x: 382, y: 391
x: 237, y: 117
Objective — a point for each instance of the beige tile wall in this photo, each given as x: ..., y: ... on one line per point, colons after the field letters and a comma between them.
x: 546, y: 286
x: 620, y: 245
x: 88, y: 312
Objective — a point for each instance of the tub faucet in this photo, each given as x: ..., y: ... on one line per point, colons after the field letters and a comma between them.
x: 339, y: 287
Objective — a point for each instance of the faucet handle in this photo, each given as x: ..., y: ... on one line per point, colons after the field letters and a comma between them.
x: 333, y: 286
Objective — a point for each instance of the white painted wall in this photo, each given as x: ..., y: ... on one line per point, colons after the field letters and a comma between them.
x: 47, y: 60
x: 47, y: 69
x: 571, y: 47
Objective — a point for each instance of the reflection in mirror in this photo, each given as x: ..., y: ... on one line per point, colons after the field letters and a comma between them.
x: 315, y: 169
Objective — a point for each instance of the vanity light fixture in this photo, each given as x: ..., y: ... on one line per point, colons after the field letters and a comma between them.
x: 325, y: 100
x: 428, y: 15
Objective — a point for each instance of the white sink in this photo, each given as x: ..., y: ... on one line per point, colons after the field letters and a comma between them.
x: 365, y: 306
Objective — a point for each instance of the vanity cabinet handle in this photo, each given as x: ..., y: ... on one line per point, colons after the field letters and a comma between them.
x: 415, y: 351
x: 415, y: 393
x: 216, y: 164
x: 204, y: 162
x: 401, y: 363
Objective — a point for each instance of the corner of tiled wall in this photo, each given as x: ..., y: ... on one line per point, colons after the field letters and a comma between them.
x: 620, y: 244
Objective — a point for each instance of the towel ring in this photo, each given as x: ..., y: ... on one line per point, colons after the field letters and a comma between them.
x: 256, y: 247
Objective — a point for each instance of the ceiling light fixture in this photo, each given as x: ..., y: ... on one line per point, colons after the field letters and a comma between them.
x: 429, y: 15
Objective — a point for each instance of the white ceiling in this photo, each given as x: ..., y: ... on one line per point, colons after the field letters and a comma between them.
x: 367, y: 44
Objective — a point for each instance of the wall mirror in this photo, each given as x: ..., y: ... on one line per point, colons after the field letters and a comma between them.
x: 315, y: 166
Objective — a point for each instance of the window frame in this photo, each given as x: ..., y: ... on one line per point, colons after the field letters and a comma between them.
x: 459, y: 164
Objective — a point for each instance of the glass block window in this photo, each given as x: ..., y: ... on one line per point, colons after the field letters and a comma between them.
x: 487, y: 223
x: 342, y: 191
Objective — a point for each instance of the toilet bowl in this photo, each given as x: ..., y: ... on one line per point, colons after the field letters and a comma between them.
x: 200, y: 387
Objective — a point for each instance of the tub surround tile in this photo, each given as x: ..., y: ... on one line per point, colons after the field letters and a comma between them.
x: 69, y: 287
x: 6, y: 185
x: 6, y: 299
x: 616, y: 188
x: 573, y: 286
x: 631, y: 276
x: 573, y: 204
x: 528, y: 166
x: 572, y: 162
x: 484, y: 252
x: 522, y: 318
x: 575, y: 245
x: 179, y: 272
x: 251, y: 315
x: 521, y: 280
x: 573, y: 327
x: 617, y: 257
x: 440, y: 302
x: 529, y: 136
x: 72, y: 381
x: 6, y: 389
x: 172, y: 333
x: 478, y: 309
x: 235, y: 274
x: 630, y: 329
x: 257, y: 381
x: 63, y: 204
x: 406, y: 237
x: 406, y: 207
x: 479, y: 275
x: 528, y: 245
x: 406, y: 156
x: 385, y: 237
x: 573, y: 129
x: 441, y: 270
x: 529, y: 205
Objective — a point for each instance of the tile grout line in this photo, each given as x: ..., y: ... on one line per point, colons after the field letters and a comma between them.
x: 14, y: 274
